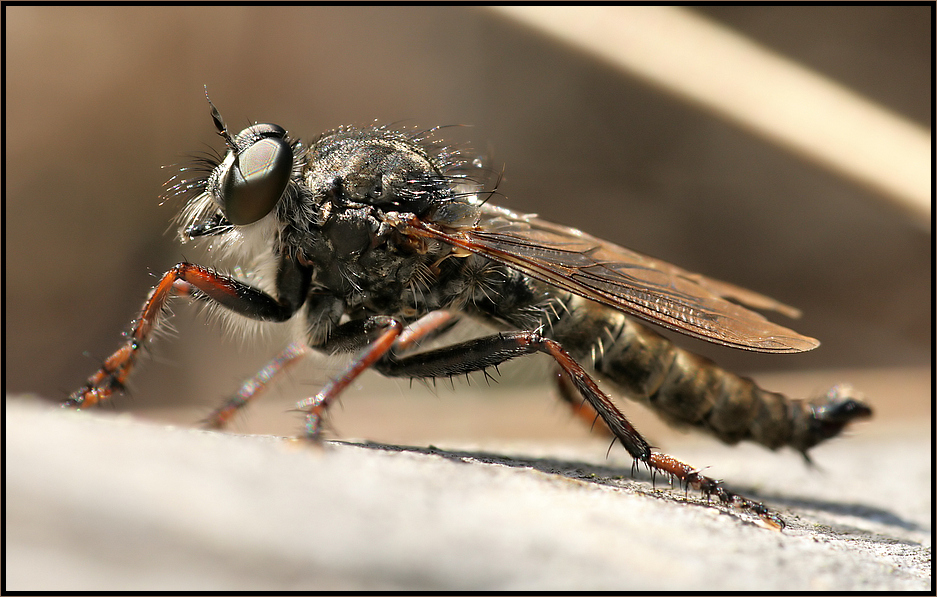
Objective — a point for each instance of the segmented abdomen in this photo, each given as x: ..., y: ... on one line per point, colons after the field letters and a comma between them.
x: 687, y: 389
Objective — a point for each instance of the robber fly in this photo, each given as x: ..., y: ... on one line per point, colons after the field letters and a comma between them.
x: 377, y: 239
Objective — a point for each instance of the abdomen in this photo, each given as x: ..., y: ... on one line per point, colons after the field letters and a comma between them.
x: 689, y: 390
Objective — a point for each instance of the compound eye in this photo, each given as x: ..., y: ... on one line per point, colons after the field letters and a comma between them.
x: 257, y: 176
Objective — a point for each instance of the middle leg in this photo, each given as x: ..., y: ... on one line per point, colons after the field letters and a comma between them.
x: 428, y: 326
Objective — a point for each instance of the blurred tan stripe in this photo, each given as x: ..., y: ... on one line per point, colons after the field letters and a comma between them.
x: 704, y: 62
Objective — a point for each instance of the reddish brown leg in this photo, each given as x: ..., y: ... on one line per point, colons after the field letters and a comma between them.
x: 391, y: 336
x: 315, y: 407
x: 426, y: 326
x: 689, y: 476
x: 578, y: 405
x: 255, y: 386
x: 202, y: 282
x: 711, y: 487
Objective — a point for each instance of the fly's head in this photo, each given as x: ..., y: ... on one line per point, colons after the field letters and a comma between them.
x: 335, y: 205
x: 231, y: 195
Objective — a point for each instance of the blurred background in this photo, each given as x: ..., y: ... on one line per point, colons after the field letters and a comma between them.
x: 100, y: 99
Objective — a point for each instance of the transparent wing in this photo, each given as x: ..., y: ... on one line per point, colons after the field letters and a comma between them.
x: 648, y: 288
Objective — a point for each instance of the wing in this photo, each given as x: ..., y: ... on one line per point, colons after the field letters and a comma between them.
x: 648, y: 288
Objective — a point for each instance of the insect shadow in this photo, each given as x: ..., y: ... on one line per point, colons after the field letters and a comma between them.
x: 628, y: 478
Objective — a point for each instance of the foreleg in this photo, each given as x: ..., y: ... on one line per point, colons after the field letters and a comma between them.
x: 199, y: 282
